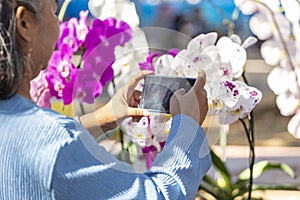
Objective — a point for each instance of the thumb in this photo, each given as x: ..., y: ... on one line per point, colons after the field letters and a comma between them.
x: 138, y: 112
x: 179, y: 92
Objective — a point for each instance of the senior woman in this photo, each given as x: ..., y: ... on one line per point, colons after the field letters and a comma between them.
x: 44, y: 155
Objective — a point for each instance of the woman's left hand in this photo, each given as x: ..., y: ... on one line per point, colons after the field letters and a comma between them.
x: 122, y: 105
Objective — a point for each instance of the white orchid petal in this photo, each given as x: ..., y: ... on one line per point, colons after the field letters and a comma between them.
x: 292, y: 10
x: 274, y: 5
x: 236, y: 39
x: 249, y: 42
x: 95, y: 7
x: 271, y: 51
x: 163, y: 65
x: 279, y: 80
x: 261, y: 26
x: 212, y: 52
x: 247, y: 7
x: 234, y: 54
x: 287, y: 104
x: 294, y: 126
x: 202, y: 41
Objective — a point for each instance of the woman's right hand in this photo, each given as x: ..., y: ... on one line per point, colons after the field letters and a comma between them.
x: 192, y: 103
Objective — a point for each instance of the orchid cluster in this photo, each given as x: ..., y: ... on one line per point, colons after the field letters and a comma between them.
x: 223, y: 61
x: 276, y: 22
x: 95, y: 47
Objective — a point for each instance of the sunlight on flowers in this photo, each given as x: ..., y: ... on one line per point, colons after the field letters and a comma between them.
x: 277, y: 23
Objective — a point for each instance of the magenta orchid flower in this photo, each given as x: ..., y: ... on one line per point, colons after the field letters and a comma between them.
x: 60, y: 71
x: 150, y: 153
x: 68, y: 36
x: 110, y: 33
x: 84, y: 81
x: 148, y: 64
x: 86, y: 87
x: 73, y: 32
x: 39, y: 91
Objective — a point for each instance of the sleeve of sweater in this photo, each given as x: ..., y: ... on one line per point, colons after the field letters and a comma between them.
x: 84, y: 170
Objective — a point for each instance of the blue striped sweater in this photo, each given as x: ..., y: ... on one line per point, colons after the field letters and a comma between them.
x: 45, y: 155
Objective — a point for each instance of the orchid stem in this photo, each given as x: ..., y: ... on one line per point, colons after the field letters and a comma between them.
x: 81, y: 108
x: 250, y: 136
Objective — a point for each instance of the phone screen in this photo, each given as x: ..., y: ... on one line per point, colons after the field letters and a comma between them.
x: 158, y: 91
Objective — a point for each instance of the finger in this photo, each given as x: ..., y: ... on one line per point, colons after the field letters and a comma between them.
x: 135, y: 98
x: 137, y: 112
x: 136, y: 119
x: 199, y: 84
x: 137, y: 95
x: 133, y: 103
x: 201, y: 81
x: 136, y: 78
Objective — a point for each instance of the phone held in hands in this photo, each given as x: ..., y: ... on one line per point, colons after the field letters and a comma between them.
x: 158, y: 91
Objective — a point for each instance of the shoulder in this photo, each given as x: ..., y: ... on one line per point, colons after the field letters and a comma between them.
x: 47, y: 120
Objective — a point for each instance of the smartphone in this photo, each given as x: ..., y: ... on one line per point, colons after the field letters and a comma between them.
x: 158, y: 91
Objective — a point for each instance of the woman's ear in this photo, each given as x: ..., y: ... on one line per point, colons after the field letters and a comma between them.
x: 25, y: 23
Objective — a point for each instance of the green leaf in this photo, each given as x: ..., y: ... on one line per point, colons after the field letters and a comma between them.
x: 288, y: 170
x: 240, y: 183
x: 210, y: 181
x: 221, y: 168
x: 240, y: 188
x: 210, y: 189
x: 263, y: 166
x: 216, y: 191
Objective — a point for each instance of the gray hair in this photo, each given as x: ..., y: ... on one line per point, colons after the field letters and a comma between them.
x: 12, y: 60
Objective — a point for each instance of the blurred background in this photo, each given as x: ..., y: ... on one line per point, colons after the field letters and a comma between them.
x: 187, y: 16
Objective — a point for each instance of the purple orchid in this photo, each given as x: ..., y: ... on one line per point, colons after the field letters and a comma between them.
x: 100, y: 45
x: 107, y: 33
x: 87, y: 86
x: 63, y: 79
x: 74, y: 31
x: 150, y: 153
x: 99, y: 63
x: 39, y: 90
x: 67, y: 36
x: 149, y: 64
x: 61, y: 72
x: 82, y: 27
x: 173, y: 52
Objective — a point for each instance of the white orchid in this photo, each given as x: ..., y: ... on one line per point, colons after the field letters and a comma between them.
x: 222, y: 60
x: 294, y: 126
x: 119, y: 9
x: 148, y: 131
x: 277, y: 22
